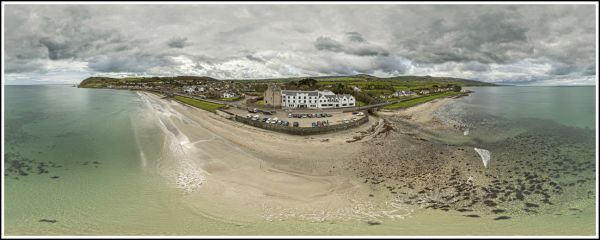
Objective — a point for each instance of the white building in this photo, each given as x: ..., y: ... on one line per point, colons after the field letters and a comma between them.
x: 192, y: 89
x: 315, y: 99
x: 228, y: 95
x: 403, y: 93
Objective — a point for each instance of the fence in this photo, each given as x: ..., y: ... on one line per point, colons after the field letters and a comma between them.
x: 302, y: 130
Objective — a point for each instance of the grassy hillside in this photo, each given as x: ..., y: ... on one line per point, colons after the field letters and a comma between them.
x: 362, y: 81
x: 101, y: 82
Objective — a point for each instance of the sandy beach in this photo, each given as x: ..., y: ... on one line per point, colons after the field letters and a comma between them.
x: 391, y: 168
x: 269, y: 175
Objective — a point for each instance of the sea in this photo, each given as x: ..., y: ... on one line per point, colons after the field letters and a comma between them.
x: 88, y: 162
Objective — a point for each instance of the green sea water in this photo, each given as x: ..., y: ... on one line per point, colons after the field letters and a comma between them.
x: 570, y: 106
x: 87, y: 162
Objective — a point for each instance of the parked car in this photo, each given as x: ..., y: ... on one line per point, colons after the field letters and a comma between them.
x: 264, y: 119
x: 361, y: 113
x: 314, y: 124
x: 295, y: 124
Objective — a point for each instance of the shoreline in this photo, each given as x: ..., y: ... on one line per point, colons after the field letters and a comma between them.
x: 255, y: 175
x: 307, y: 175
x: 245, y: 164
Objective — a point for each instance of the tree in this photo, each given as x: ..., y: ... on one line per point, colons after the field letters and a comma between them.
x: 456, y: 88
x: 308, y: 82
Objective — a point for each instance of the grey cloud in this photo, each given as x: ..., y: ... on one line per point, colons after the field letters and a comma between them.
x: 23, y: 66
x: 487, y: 38
x: 362, y: 49
x: 513, y: 43
x: 178, y: 42
x: 355, y: 37
x: 127, y: 63
x: 57, y: 49
x: 474, y: 67
x: 328, y: 44
x: 562, y: 69
x: 253, y: 58
x: 590, y: 70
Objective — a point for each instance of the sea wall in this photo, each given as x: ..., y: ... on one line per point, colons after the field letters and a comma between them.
x: 301, y: 130
x: 224, y: 113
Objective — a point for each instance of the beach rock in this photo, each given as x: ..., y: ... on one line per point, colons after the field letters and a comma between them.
x: 48, y: 220
x: 372, y: 223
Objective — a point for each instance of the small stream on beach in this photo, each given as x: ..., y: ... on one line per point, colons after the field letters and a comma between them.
x: 96, y: 162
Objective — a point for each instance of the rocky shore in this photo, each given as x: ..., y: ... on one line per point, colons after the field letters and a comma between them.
x: 530, y: 172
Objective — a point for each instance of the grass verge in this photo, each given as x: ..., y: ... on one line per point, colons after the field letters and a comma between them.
x: 419, y: 100
x: 208, y: 106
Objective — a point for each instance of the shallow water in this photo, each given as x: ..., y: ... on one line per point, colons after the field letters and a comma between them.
x: 93, y: 161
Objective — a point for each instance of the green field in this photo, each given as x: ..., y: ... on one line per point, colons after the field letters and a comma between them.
x: 419, y: 100
x: 208, y: 106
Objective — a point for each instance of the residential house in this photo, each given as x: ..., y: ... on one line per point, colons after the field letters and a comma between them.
x: 404, y: 93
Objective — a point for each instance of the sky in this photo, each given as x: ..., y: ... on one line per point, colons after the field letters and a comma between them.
x: 504, y: 44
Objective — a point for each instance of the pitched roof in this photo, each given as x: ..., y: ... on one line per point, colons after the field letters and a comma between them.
x: 294, y: 92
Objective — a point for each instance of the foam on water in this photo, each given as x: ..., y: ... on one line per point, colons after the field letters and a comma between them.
x: 484, y: 154
x: 188, y: 176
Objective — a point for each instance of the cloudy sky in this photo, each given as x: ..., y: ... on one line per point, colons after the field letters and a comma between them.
x: 511, y: 44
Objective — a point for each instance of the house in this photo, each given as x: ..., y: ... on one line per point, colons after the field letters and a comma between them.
x: 404, y: 93
x: 228, y: 95
x: 356, y: 89
x: 424, y: 91
x: 192, y: 89
x: 272, y: 96
x: 315, y: 99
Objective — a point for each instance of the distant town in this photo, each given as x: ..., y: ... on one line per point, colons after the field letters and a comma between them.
x: 310, y: 93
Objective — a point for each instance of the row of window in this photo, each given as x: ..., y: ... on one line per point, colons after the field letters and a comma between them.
x: 299, y: 97
x: 294, y: 97
x: 292, y: 104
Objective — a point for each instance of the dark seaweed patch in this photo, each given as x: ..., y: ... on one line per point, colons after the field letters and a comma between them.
x: 48, y: 220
